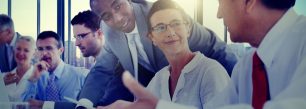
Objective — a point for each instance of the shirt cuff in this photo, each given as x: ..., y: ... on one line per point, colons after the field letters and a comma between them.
x: 84, y: 103
x: 162, y: 104
x: 48, y: 105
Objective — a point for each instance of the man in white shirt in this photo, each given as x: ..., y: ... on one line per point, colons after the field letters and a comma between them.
x: 279, y: 42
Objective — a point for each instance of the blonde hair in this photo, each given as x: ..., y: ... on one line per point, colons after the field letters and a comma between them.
x: 27, y: 39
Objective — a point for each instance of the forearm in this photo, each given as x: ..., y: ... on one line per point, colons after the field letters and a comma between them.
x: 30, y: 91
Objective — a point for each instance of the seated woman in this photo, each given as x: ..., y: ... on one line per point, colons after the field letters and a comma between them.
x: 15, y: 80
x: 190, y: 78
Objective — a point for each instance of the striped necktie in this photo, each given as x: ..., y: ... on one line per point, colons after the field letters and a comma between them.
x: 52, y: 92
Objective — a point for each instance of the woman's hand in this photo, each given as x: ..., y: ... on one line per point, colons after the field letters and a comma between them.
x: 10, y: 78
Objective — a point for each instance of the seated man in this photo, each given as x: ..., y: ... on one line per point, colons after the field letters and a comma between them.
x: 87, y: 33
x: 52, y: 79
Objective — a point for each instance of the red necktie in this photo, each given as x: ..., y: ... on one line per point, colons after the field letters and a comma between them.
x: 260, y: 83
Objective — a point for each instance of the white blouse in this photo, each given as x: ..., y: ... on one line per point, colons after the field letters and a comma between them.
x: 199, y: 81
x: 16, y: 90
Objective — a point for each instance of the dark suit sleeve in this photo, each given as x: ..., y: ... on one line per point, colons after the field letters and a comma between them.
x: 116, y: 89
x: 64, y: 105
x: 99, y: 76
x: 206, y: 41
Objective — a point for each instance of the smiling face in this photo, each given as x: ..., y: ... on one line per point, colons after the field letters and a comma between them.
x: 23, y: 52
x: 170, y: 31
x: 49, y: 51
x: 117, y: 14
x: 89, y: 42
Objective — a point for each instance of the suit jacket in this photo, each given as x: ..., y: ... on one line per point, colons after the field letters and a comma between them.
x: 5, y: 64
x: 104, y: 86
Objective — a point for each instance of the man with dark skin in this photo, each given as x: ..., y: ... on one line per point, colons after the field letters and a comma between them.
x: 124, y: 24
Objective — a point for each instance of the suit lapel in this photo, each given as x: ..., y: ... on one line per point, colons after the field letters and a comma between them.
x: 141, y: 21
x: 117, y: 41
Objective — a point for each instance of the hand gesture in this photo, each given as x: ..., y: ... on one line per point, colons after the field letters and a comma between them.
x: 145, y: 100
x: 38, y: 69
x: 35, y: 104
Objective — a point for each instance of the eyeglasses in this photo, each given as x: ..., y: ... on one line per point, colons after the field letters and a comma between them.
x: 81, y: 36
x: 160, y: 28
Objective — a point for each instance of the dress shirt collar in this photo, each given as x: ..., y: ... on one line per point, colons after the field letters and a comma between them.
x: 273, y: 39
x: 59, y: 70
x: 13, y: 42
x: 192, y: 64
x: 189, y: 66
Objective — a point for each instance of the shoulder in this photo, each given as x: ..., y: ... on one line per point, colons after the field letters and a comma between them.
x: 76, y: 71
x: 207, y: 64
x: 159, y: 76
x: 208, y: 69
x: 161, y: 73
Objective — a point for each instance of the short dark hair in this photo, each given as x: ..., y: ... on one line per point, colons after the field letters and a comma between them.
x: 278, y: 4
x: 6, y: 22
x: 51, y: 34
x: 162, y: 5
x: 88, y: 18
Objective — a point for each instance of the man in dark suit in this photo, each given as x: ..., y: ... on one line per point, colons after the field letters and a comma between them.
x: 8, y: 38
x: 127, y: 47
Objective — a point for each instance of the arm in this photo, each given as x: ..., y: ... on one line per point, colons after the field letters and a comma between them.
x: 30, y: 91
x: 145, y: 100
x: 116, y: 89
x: 214, y: 80
x: 206, y: 41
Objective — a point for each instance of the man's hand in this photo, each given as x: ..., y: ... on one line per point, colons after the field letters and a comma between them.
x: 145, y: 100
x: 35, y: 104
x: 10, y: 78
x: 38, y: 69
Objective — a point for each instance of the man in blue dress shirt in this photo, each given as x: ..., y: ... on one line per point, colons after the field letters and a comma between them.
x: 52, y: 79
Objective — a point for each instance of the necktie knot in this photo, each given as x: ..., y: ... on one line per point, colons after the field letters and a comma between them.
x: 51, y: 77
x: 256, y: 60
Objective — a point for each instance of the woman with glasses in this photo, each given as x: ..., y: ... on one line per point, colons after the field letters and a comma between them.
x: 15, y: 80
x: 190, y: 78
